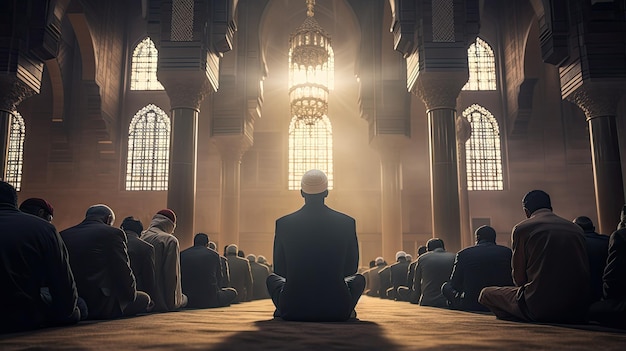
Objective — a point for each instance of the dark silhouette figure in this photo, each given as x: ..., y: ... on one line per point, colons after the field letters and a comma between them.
x: 32, y: 257
x: 597, y: 252
x: 101, y: 266
x: 476, y: 267
x: 141, y: 255
x: 201, y: 272
x: 316, y: 258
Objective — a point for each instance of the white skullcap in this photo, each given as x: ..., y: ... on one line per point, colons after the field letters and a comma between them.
x: 400, y: 254
x: 314, y: 182
x: 379, y: 260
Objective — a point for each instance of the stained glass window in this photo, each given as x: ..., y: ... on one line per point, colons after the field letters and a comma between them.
x: 483, y: 155
x: 310, y: 147
x: 482, y: 67
x: 144, y: 67
x: 148, y: 150
x: 15, y: 159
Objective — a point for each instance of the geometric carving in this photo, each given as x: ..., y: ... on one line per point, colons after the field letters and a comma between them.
x: 182, y: 20
x: 443, y: 21
x: 597, y: 99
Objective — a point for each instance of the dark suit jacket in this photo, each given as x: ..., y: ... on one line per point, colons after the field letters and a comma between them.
x: 615, y: 271
x: 315, y: 248
x: 141, y: 256
x: 260, y: 272
x: 240, y: 277
x: 476, y: 267
x: 32, y: 256
x: 200, y: 272
x: 432, y: 270
x: 225, y: 280
x: 597, y: 252
x: 101, y: 266
x: 399, y: 272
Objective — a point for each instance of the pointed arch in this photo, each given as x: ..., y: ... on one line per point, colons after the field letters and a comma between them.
x: 148, y: 150
x: 483, y: 152
x: 15, y: 158
x: 482, y: 66
x: 310, y: 147
x: 143, y: 71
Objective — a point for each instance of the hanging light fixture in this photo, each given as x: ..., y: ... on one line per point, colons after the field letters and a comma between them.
x: 311, y: 66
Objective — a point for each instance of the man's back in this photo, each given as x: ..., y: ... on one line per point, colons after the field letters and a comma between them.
x: 141, y: 256
x: 260, y: 273
x: 200, y: 270
x: 485, y: 264
x: 315, y: 248
x: 240, y: 277
x: 597, y: 251
x: 550, y: 262
x: 432, y: 270
x: 99, y: 260
x: 32, y: 255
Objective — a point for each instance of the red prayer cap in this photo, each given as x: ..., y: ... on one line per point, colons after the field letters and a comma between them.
x: 169, y: 214
x: 35, y: 202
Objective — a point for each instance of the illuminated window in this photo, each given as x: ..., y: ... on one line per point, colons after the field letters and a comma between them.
x: 15, y: 157
x: 484, y: 161
x: 310, y: 147
x: 144, y: 67
x: 148, y: 150
x: 482, y: 67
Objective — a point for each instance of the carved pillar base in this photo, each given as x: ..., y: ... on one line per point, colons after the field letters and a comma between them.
x: 231, y: 150
x: 599, y: 102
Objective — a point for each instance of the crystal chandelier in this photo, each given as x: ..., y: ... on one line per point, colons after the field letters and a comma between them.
x: 311, y: 66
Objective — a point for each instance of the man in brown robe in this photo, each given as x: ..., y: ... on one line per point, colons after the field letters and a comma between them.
x: 550, y: 269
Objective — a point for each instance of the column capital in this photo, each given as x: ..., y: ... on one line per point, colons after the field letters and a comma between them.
x: 12, y: 92
x: 597, y: 99
x: 440, y: 89
x: 232, y: 146
x: 185, y: 89
x: 390, y: 147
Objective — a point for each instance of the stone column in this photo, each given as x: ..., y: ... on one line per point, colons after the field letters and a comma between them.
x: 390, y: 148
x: 599, y: 102
x: 231, y: 149
x: 463, y: 133
x: 185, y: 93
x: 439, y: 91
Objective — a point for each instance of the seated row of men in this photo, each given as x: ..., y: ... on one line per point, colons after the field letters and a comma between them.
x: 97, y: 271
x: 558, y: 271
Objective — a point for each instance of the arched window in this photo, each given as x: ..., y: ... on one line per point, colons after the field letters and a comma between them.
x: 310, y: 147
x: 15, y: 157
x: 144, y: 67
x: 482, y: 67
x: 148, y: 150
x: 483, y: 155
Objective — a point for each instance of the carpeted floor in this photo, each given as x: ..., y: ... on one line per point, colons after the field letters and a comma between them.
x: 381, y: 325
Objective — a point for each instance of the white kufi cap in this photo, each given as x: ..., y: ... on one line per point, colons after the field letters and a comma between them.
x: 314, y: 182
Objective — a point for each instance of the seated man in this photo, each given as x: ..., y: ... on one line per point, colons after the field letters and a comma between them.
x: 373, y: 289
x: 101, y: 266
x: 304, y: 287
x: 240, y: 274
x: 398, y: 274
x: 201, y: 271
x: 260, y: 272
x: 475, y: 267
x: 225, y: 280
x: 141, y: 255
x: 611, y: 310
x: 597, y: 251
x: 432, y: 270
x: 160, y: 234
x: 33, y: 257
x: 550, y: 269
